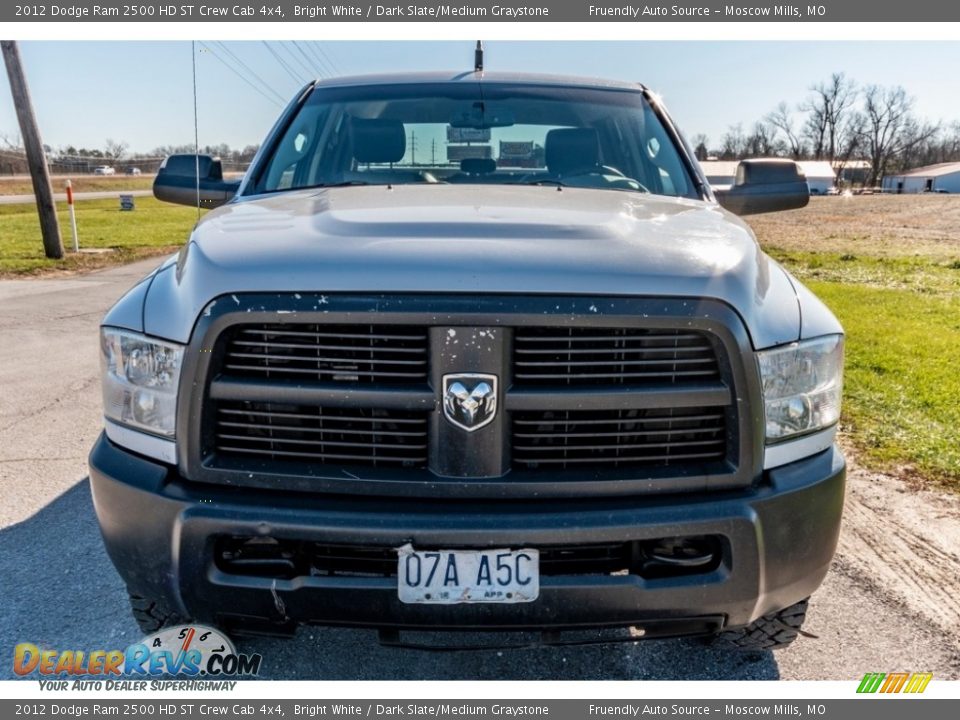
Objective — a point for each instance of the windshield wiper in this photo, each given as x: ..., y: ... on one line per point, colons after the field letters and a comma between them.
x: 537, y: 182
x: 560, y: 184
x: 345, y: 183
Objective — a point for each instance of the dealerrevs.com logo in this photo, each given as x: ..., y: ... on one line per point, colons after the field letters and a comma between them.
x: 184, y: 650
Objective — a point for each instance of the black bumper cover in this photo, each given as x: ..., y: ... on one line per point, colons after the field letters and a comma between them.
x: 159, y: 531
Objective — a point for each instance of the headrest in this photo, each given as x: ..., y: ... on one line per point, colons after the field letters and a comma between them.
x: 378, y: 140
x: 569, y: 149
x: 478, y: 166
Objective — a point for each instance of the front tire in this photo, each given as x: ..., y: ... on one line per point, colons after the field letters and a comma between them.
x: 771, y: 632
x: 153, y: 615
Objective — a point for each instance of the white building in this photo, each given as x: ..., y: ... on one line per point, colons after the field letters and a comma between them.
x: 721, y: 174
x: 944, y: 177
x: 821, y: 178
x: 852, y: 172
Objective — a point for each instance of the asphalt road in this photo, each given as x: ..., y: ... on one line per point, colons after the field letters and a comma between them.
x: 890, y: 603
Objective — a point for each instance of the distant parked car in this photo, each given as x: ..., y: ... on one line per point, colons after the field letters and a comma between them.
x: 132, y: 171
x: 104, y: 170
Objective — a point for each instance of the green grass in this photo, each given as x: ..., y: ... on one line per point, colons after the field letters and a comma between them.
x: 902, y: 378
x: 153, y: 228
x: 889, y: 268
x: 915, y: 274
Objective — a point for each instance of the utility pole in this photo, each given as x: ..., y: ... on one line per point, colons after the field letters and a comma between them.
x: 413, y: 148
x: 36, y: 160
x: 433, y: 152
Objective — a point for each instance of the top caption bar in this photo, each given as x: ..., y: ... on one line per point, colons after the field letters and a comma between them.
x: 534, y: 11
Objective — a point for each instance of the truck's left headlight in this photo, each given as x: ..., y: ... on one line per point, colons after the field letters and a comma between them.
x: 802, y: 383
x: 140, y: 380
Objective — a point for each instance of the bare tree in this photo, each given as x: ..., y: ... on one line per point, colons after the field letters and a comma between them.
x: 762, y: 141
x: 831, y: 125
x: 115, y: 150
x: 733, y: 144
x: 890, y: 130
x: 781, y: 119
x: 700, y: 146
x: 11, y: 142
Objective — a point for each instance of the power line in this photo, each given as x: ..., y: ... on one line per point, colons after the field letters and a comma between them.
x: 316, y: 58
x: 242, y: 76
x: 296, y: 78
x: 324, y: 58
x: 312, y: 63
x: 308, y: 66
x: 250, y: 72
x: 329, y: 58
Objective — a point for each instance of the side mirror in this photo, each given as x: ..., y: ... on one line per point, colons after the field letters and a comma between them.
x: 766, y: 186
x: 176, y: 181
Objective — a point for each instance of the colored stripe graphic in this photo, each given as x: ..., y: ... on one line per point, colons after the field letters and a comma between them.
x: 871, y: 682
x: 894, y: 682
x: 918, y: 682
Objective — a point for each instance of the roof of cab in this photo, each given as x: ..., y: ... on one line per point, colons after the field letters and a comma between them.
x: 416, y: 78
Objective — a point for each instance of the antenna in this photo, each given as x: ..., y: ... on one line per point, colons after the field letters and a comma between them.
x: 478, y: 58
x: 196, y: 125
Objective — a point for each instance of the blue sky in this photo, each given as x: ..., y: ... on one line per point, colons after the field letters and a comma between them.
x: 141, y: 92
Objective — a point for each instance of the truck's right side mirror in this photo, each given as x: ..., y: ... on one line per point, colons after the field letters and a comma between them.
x: 765, y: 186
x: 176, y: 181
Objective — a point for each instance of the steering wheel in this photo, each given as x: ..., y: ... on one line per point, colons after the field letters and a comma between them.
x: 619, y: 180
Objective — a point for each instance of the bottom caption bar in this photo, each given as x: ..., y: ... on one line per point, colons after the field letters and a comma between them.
x: 851, y: 709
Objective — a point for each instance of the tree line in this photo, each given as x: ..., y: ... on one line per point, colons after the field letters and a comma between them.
x: 841, y: 121
x: 73, y: 159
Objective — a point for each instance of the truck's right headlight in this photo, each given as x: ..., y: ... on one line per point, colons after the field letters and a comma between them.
x: 802, y: 383
x: 140, y: 380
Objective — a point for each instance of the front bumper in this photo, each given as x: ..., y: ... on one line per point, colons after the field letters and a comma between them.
x: 159, y: 530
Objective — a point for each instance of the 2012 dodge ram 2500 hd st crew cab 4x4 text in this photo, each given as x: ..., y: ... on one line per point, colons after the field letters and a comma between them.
x: 529, y: 372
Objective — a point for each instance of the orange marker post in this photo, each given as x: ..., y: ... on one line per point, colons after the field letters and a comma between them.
x: 73, y: 216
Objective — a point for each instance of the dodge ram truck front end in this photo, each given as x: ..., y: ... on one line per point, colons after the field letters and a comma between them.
x: 560, y: 388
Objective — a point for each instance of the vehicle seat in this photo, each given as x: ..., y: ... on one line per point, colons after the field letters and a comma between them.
x: 380, y: 141
x: 572, y: 151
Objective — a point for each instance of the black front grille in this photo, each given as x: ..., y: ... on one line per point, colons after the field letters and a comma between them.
x: 640, y: 398
x: 366, y: 354
x: 618, y: 438
x: 270, y: 557
x: 266, y: 556
x: 611, y: 356
x: 332, y: 436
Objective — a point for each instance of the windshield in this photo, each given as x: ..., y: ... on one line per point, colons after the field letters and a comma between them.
x: 494, y: 134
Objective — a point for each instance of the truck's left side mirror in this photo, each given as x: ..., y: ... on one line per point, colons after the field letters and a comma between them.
x: 176, y: 181
x: 766, y: 186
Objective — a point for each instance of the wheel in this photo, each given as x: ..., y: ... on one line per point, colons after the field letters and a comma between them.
x: 771, y: 632
x: 152, y: 615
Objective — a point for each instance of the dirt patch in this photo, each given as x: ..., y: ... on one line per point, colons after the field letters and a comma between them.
x: 903, y: 542
x: 81, y: 183
x: 83, y: 262
x: 874, y: 225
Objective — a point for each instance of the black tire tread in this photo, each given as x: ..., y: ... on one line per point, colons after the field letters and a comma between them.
x: 151, y: 615
x: 771, y: 632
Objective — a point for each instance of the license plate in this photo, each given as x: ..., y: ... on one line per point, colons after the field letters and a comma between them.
x: 449, y: 577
